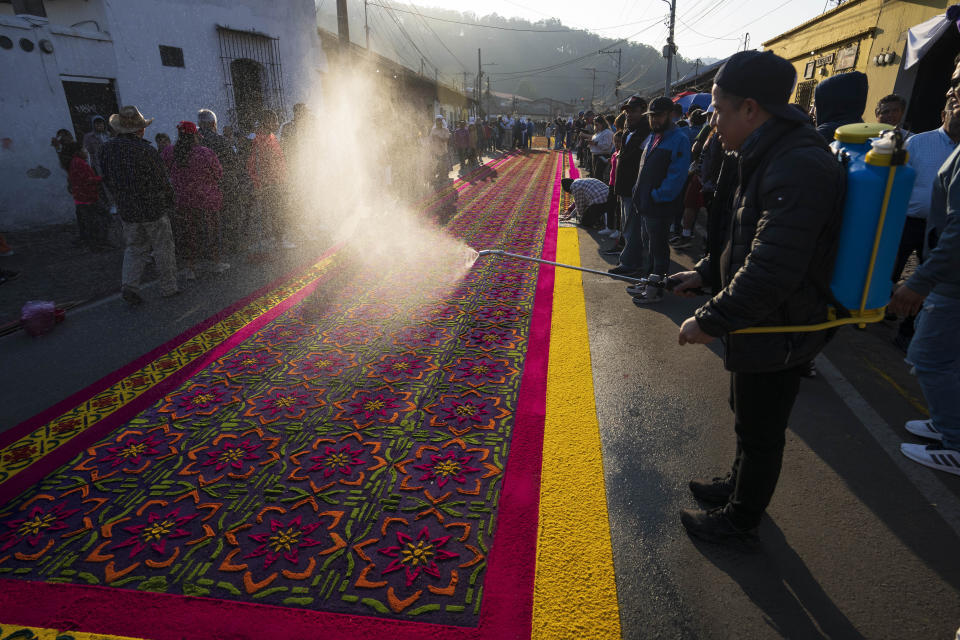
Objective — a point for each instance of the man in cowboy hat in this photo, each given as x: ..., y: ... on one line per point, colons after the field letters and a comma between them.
x: 135, y: 174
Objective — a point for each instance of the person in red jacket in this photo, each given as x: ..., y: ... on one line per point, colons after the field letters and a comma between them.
x: 267, y: 168
x: 84, y: 186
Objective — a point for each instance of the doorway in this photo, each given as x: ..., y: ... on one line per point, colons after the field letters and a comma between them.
x: 247, y: 77
x: 87, y: 98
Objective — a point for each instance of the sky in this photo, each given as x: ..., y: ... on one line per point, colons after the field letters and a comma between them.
x: 705, y: 28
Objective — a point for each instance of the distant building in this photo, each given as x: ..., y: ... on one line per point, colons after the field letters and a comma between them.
x: 423, y: 94
x: 64, y: 61
x: 901, y: 45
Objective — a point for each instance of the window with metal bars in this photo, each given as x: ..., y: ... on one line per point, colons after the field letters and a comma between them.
x: 805, y: 93
x: 252, y: 74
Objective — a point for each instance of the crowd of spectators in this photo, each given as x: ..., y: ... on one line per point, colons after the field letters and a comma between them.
x: 765, y: 179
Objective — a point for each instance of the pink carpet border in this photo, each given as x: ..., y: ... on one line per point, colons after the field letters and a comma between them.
x: 508, y: 589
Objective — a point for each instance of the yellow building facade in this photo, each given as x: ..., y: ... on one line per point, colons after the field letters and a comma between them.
x: 859, y: 35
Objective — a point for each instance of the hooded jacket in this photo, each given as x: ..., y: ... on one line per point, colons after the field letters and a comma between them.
x: 93, y: 142
x: 771, y: 257
x: 840, y: 100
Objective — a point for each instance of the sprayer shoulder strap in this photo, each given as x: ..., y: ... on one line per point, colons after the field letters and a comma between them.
x: 823, y: 288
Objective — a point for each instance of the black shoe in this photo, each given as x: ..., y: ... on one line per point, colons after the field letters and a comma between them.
x: 6, y: 275
x: 715, y: 491
x: 131, y: 297
x: 714, y: 526
x: 621, y: 270
x: 650, y: 295
x: 682, y: 242
x: 809, y: 370
x: 614, y: 251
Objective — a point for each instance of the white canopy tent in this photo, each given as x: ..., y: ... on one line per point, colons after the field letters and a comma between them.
x: 923, y: 36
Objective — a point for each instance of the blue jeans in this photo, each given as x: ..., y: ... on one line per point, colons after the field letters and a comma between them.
x: 935, y: 355
x: 647, y: 247
x: 626, y: 203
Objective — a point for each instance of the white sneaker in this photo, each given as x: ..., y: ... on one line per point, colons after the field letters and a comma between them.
x: 604, y: 232
x: 923, y: 429
x: 288, y: 245
x: 637, y: 289
x: 615, y: 235
x: 933, y: 456
x: 220, y: 267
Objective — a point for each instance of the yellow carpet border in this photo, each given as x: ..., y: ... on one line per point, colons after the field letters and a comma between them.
x: 575, y: 594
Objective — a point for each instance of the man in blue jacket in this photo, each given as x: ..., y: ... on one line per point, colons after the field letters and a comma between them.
x: 657, y: 197
x: 934, y: 291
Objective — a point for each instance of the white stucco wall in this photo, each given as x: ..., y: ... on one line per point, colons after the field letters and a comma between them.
x: 33, y: 107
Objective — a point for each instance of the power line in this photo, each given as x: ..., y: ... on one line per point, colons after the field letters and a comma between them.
x: 516, y: 75
x: 407, y: 35
x: 435, y: 35
x: 703, y: 35
x: 491, y: 26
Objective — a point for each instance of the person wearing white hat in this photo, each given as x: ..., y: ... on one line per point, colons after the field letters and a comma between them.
x: 135, y: 174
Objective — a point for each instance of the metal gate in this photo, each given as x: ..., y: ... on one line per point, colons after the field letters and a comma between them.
x: 252, y: 75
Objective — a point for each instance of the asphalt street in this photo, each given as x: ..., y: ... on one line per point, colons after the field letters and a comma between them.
x: 859, y: 542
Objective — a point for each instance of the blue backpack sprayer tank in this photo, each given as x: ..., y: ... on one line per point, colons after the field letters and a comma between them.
x: 879, y: 183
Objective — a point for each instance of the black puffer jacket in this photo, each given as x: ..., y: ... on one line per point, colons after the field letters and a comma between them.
x: 779, y: 243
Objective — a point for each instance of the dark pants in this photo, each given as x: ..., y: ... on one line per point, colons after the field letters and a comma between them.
x: 761, y: 404
x: 914, y: 234
x: 593, y: 215
x: 92, y: 222
x: 913, y: 239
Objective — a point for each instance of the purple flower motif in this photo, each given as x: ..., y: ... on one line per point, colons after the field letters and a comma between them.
x: 498, y: 314
x: 348, y: 335
x: 477, y: 371
x: 315, y: 365
x: 247, y: 361
x: 422, y: 335
x: 372, y: 406
x: 285, y: 333
x: 464, y: 412
x: 445, y: 468
x: 284, y: 540
x: 509, y: 278
x: 506, y: 293
x: 490, y: 338
x: 155, y: 532
x: 333, y: 460
x: 406, y: 366
x: 416, y: 556
x: 35, y: 526
x: 231, y: 454
x: 200, y: 399
x: 131, y: 449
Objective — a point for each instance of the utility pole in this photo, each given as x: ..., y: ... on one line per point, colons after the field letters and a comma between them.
x: 366, y: 26
x: 421, y: 67
x: 671, y: 49
x: 479, y: 85
x: 746, y: 41
x: 464, y: 87
x: 618, y: 51
x: 593, y: 84
x: 343, y: 25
